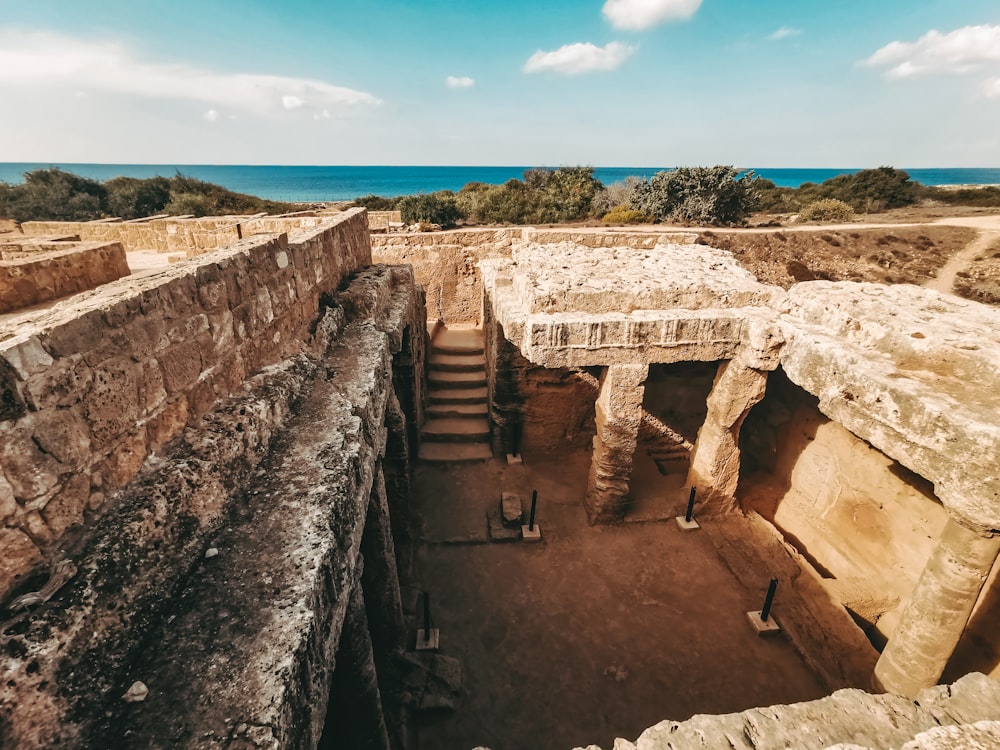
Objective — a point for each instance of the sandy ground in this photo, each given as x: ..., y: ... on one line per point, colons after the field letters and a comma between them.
x: 597, y: 632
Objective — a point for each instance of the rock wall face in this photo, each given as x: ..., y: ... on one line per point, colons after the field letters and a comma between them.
x: 33, y: 278
x: 914, y: 373
x: 864, y: 521
x: 220, y: 576
x: 91, y: 387
x: 965, y: 714
x: 445, y: 264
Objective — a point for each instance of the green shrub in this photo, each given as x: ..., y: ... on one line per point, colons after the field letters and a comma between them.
x: 131, y: 198
x: 510, y: 203
x: 432, y: 208
x: 626, y: 215
x: 869, y: 190
x: 699, y: 195
x: 53, y: 195
x: 377, y: 203
x: 827, y: 209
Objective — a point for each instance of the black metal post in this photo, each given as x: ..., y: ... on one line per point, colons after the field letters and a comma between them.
x: 690, y: 510
x: 427, y: 617
x: 769, y: 599
x: 534, y: 502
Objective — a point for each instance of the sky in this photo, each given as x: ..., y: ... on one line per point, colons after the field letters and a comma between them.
x: 770, y: 83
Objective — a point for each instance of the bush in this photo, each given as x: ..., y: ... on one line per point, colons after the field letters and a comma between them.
x: 626, y: 215
x: 510, y: 203
x: 871, y: 189
x: 377, y: 203
x: 433, y: 208
x: 701, y: 195
x: 53, y: 195
x: 130, y: 198
x: 827, y: 209
x: 612, y: 196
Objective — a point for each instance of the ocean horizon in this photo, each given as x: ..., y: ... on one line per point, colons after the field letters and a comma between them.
x: 336, y: 183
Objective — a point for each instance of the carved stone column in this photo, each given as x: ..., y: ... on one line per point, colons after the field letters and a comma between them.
x: 715, y: 461
x: 618, y: 416
x: 938, y: 611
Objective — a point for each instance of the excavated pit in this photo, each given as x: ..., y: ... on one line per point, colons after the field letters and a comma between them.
x: 223, y: 461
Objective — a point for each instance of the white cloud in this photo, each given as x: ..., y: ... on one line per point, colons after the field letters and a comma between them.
x: 582, y: 57
x: 784, y: 32
x: 46, y: 60
x: 459, y: 82
x: 966, y: 50
x: 642, y: 14
x: 991, y: 87
x: 211, y: 115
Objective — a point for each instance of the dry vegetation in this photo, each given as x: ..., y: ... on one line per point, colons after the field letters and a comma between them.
x: 981, y: 280
x: 907, y: 255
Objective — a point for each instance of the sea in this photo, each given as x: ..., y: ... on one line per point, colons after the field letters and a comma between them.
x: 337, y: 183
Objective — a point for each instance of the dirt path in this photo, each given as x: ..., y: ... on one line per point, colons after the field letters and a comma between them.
x: 945, y: 279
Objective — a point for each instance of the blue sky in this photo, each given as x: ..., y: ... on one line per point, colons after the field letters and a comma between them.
x: 773, y: 83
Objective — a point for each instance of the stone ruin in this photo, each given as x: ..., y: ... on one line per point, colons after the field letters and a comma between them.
x: 205, y: 466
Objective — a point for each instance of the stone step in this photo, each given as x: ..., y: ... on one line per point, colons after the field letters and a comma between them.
x: 445, y: 379
x: 463, y: 410
x: 455, y: 452
x: 456, y: 430
x: 458, y: 340
x: 456, y: 395
x: 458, y: 362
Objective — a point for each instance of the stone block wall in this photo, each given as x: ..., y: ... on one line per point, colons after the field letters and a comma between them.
x: 42, y: 276
x: 445, y: 264
x: 93, y: 386
x: 169, y: 234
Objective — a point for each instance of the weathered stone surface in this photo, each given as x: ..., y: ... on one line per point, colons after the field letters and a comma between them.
x: 715, y: 460
x: 915, y: 373
x: 938, y: 611
x: 618, y: 416
x: 511, y: 509
x: 19, y: 556
x: 846, y: 719
x: 59, y: 272
x: 564, y: 305
x: 95, y: 382
x: 254, y: 627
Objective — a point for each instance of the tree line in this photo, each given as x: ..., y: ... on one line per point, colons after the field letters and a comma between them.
x: 719, y: 195
x: 55, y: 195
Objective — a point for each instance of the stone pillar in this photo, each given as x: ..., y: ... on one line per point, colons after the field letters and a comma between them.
x: 715, y: 461
x: 938, y: 611
x: 379, y: 579
x: 618, y: 416
x: 355, y: 718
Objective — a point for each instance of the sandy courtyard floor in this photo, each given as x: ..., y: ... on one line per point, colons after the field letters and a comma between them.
x: 597, y: 632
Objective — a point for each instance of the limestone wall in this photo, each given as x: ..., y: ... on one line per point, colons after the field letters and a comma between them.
x: 93, y: 386
x: 38, y: 277
x: 445, y: 264
x: 866, y: 523
x: 221, y: 575
x: 167, y: 234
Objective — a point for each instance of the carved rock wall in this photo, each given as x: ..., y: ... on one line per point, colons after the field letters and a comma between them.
x: 236, y: 647
x: 96, y: 384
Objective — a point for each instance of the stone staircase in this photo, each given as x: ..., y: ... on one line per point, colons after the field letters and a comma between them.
x: 457, y: 426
